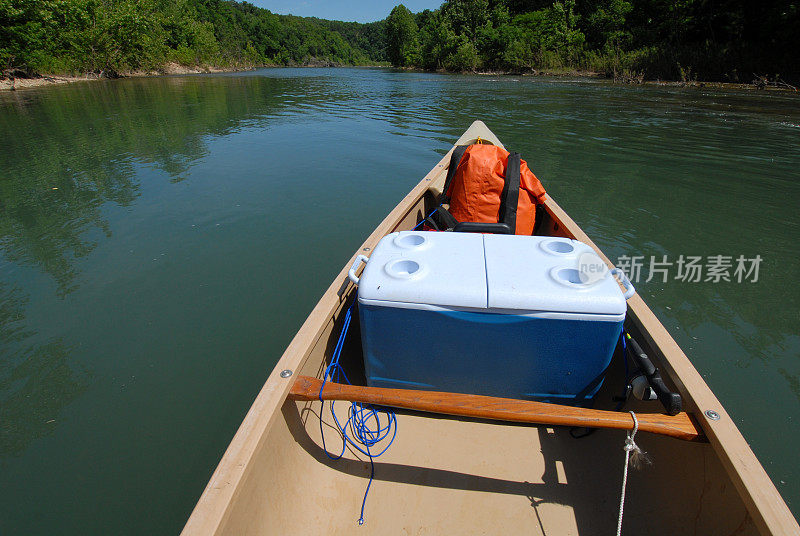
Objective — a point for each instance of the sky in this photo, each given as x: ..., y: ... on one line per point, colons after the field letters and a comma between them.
x: 357, y: 10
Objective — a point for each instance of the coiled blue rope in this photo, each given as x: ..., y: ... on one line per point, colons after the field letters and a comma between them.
x: 364, y: 425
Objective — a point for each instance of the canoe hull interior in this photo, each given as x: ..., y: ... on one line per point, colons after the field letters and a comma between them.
x: 451, y: 476
x: 464, y: 476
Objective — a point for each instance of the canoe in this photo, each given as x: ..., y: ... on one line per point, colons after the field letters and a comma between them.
x: 467, y: 474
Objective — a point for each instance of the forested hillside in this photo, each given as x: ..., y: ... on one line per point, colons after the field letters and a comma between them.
x: 725, y: 40
x: 117, y: 36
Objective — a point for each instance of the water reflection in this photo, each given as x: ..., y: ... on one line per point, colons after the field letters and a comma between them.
x: 71, y: 152
x: 75, y: 149
x: 36, y: 380
x: 793, y: 380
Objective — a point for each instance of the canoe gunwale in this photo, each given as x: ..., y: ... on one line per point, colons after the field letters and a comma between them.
x: 766, y: 507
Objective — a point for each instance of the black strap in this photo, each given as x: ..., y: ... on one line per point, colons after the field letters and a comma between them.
x: 447, y: 220
x: 510, y: 196
x: 538, y: 217
x: 455, y: 159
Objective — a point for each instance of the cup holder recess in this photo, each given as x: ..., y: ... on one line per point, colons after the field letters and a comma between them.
x: 571, y: 275
x: 561, y: 247
x: 558, y: 246
x: 402, y: 268
x: 410, y: 240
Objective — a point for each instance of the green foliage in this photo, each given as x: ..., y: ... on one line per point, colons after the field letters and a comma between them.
x: 131, y: 37
x: 466, y: 16
x: 606, y: 25
x: 438, y: 41
x: 369, y: 38
x: 402, y: 44
x: 673, y: 39
x: 116, y: 36
x: 463, y: 58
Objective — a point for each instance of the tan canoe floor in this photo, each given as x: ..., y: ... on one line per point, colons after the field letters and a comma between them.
x: 454, y: 475
x: 443, y: 476
x: 441, y: 471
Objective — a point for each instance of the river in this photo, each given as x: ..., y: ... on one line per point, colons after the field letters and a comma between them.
x: 163, y: 238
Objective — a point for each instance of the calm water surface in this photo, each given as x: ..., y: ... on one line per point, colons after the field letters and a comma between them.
x: 162, y: 239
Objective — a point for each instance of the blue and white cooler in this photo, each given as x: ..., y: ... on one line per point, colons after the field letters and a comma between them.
x: 499, y: 315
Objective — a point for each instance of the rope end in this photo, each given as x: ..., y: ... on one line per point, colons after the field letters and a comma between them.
x: 639, y: 458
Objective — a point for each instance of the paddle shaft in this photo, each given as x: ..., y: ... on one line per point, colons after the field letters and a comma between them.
x: 679, y: 426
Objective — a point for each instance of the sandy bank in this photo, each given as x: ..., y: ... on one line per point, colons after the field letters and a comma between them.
x: 25, y: 83
x: 49, y: 80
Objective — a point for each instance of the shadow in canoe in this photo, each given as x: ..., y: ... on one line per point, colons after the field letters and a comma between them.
x: 581, y: 476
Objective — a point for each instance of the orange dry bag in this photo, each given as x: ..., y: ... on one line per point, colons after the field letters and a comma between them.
x: 487, y: 184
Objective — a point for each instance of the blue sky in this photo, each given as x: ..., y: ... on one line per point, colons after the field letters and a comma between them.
x: 358, y: 10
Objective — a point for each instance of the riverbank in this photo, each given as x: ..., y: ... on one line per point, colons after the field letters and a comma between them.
x: 759, y: 83
x: 12, y: 84
x: 177, y: 69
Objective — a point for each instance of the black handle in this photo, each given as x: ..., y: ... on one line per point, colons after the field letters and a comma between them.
x: 671, y: 401
x: 477, y: 227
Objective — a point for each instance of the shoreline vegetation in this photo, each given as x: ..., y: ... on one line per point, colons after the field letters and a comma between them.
x: 8, y: 84
x: 692, y: 43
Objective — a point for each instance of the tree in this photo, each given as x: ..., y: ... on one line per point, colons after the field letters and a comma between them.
x: 467, y: 16
x: 464, y: 57
x: 437, y: 41
x: 517, y: 7
x: 402, y: 44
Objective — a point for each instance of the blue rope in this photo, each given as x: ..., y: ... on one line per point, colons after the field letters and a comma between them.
x: 624, y: 353
x: 363, y: 425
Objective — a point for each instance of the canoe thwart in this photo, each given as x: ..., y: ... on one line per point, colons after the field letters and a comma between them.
x: 680, y: 426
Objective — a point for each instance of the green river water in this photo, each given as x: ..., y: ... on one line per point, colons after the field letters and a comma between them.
x: 163, y: 238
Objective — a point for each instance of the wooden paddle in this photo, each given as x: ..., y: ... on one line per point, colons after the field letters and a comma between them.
x: 680, y: 426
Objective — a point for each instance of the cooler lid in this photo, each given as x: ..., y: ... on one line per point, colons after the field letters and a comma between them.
x: 428, y: 268
x: 551, y: 274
